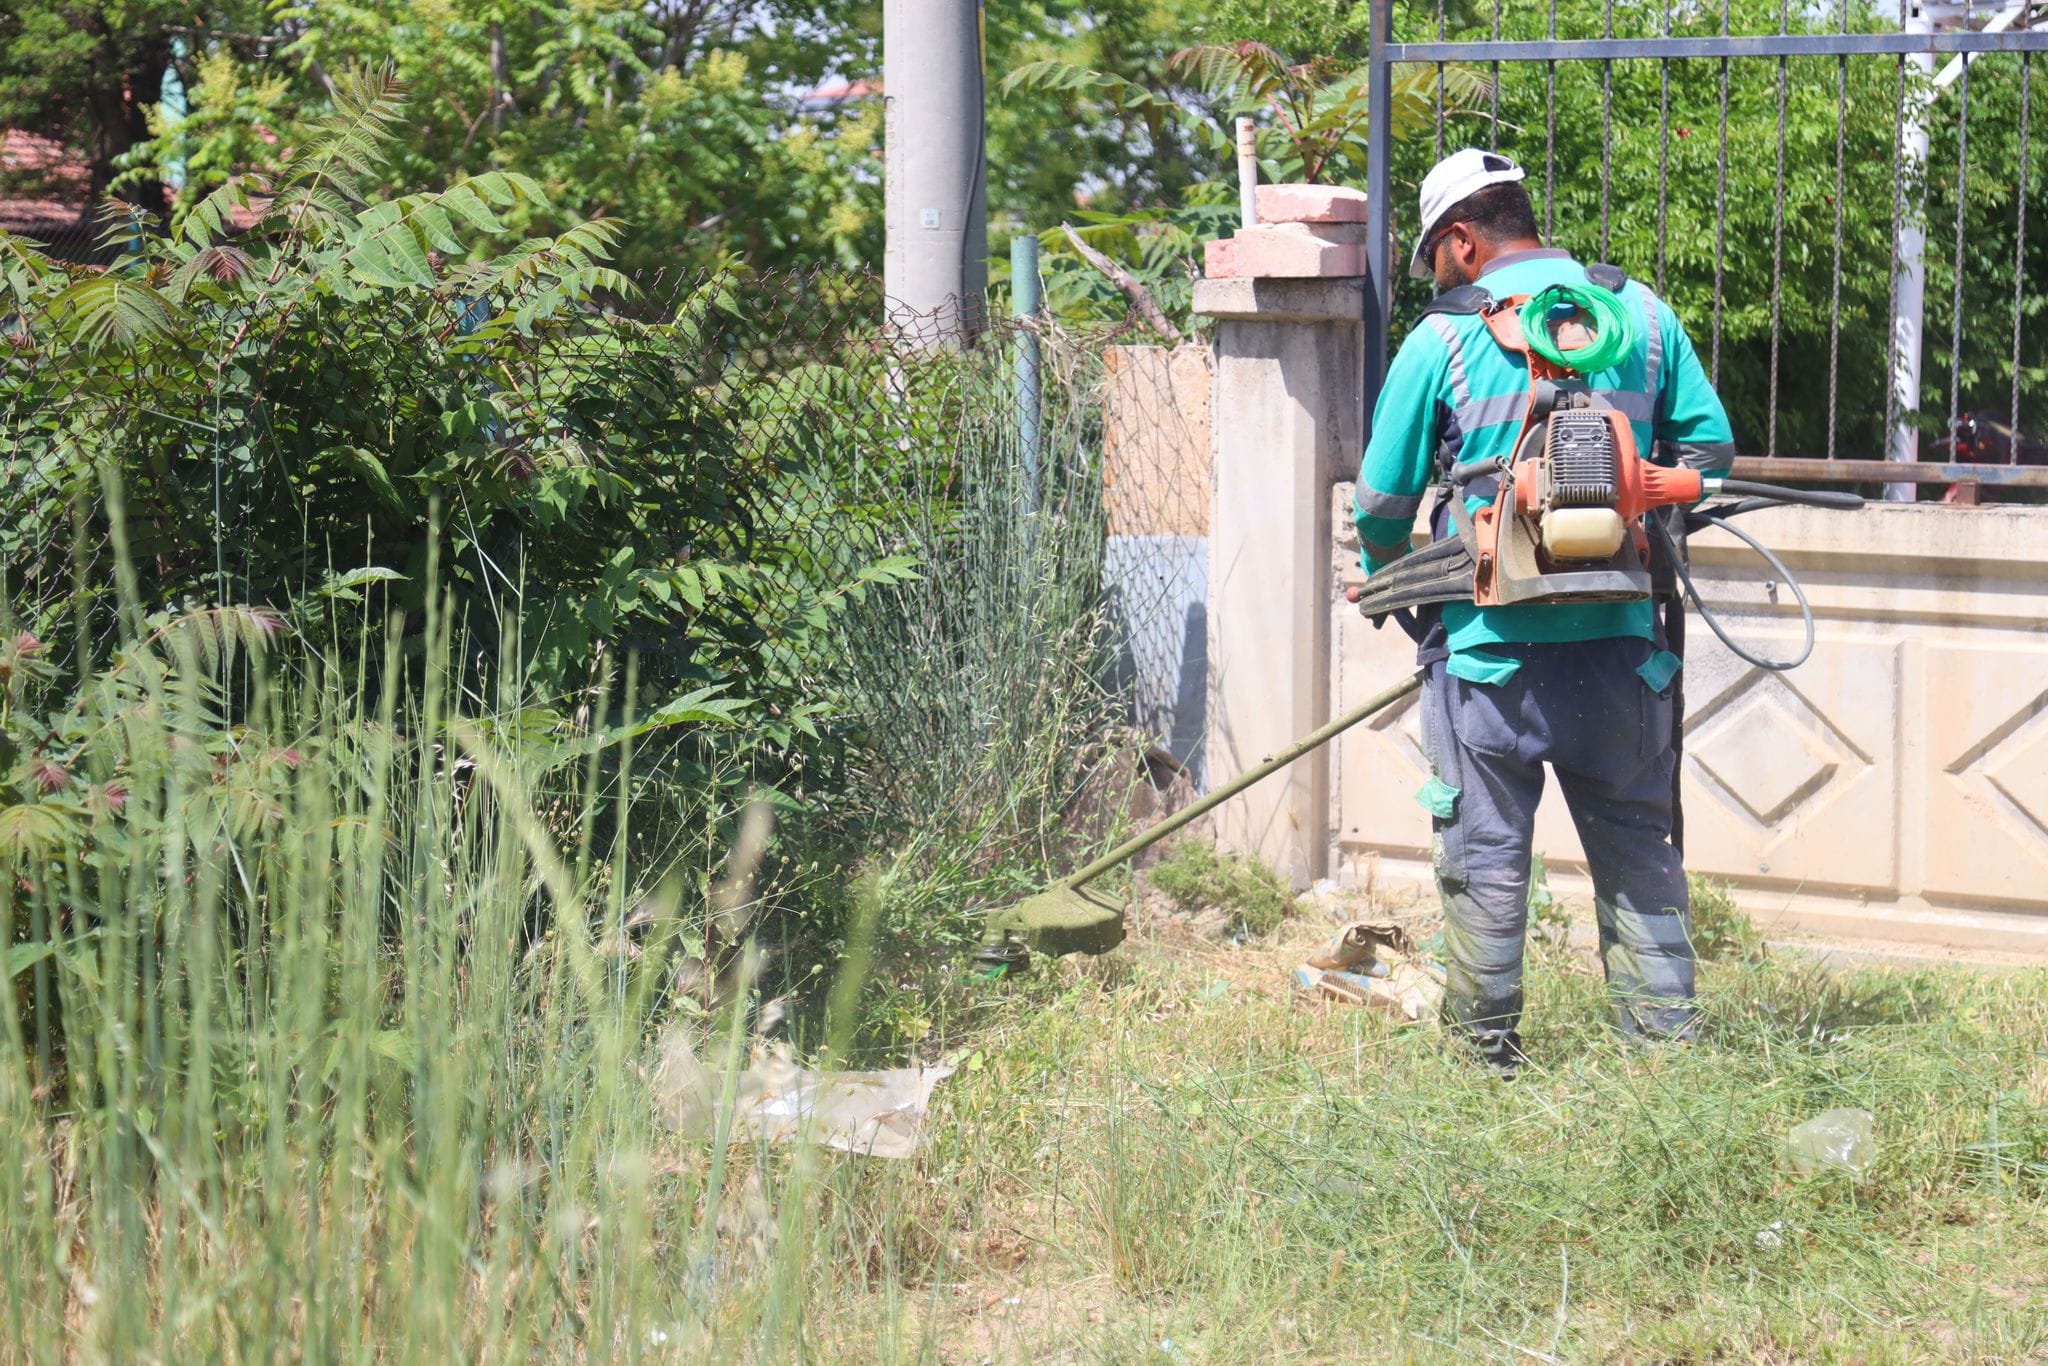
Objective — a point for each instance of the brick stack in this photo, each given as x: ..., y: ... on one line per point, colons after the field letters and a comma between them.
x: 1303, y: 232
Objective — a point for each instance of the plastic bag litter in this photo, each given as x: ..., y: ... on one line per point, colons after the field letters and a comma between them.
x: 1842, y: 1139
x: 1375, y: 965
x: 874, y: 1114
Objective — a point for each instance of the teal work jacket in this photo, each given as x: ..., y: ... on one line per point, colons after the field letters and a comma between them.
x: 1453, y: 393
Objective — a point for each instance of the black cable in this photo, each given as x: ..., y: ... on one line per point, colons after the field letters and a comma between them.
x: 1734, y: 509
x: 1813, y: 498
x: 1657, y: 528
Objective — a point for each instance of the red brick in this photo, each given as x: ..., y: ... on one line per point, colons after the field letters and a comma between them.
x: 1310, y: 204
x: 1288, y: 251
x: 1219, y: 258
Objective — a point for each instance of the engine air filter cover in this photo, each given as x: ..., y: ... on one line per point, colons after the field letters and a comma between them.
x: 1581, y: 454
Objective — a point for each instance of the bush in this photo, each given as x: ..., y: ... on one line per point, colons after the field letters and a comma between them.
x: 790, y: 547
x: 1194, y: 877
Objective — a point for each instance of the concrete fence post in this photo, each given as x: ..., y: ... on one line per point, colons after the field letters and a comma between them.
x: 1288, y: 297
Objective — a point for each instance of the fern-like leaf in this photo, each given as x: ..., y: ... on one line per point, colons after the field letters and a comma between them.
x: 112, y: 310
x: 24, y: 270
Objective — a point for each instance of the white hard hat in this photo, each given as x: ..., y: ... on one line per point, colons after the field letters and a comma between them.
x: 1452, y: 180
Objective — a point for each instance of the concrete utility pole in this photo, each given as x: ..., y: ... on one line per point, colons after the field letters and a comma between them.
x: 935, y: 264
x: 1909, y: 313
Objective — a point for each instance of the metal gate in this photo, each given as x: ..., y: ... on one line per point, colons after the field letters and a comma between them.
x: 1852, y: 219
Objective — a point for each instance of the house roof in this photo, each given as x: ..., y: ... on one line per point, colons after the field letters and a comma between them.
x: 61, y: 207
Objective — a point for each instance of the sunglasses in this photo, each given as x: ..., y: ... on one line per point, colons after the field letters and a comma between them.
x: 1434, y: 241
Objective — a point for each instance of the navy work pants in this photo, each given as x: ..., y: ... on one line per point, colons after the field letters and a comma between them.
x: 1596, y: 713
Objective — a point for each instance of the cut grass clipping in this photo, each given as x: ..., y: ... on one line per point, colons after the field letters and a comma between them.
x: 1195, y: 877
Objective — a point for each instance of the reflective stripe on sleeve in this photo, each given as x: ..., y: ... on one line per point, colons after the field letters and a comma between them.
x: 1388, y: 507
x: 1702, y: 455
x: 1655, y: 362
x: 1461, y: 392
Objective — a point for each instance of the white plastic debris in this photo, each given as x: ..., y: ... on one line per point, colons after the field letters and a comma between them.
x: 1842, y: 1139
x: 875, y: 1114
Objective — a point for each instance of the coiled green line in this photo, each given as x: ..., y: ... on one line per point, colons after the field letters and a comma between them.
x: 1615, y: 333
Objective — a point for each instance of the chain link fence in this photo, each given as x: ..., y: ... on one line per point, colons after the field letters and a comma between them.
x: 978, y: 603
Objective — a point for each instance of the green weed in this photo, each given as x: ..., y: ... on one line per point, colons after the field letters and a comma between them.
x: 1720, y: 928
x: 1194, y: 876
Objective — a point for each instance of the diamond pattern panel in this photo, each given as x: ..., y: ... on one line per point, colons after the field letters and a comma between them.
x: 1795, y: 781
x: 2019, y: 770
x: 1987, y: 774
x: 1773, y: 754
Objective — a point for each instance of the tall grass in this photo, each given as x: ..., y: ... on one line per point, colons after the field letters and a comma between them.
x: 334, y: 997
x: 347, y: 1043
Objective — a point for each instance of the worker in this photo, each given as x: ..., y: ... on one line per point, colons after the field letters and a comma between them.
x: 1585, y: 687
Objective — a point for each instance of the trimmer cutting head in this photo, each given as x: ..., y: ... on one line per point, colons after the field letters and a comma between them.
x: 1063, y: 919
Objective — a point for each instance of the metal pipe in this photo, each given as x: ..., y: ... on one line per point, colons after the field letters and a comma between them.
x: 1272, y: 764
x: 1795, y: 469
x: 1247, y: 172
x: 1909, y: 303
x: 1027, y: 301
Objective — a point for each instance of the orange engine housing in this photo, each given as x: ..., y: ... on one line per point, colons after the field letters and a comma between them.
x: 1640, y: 488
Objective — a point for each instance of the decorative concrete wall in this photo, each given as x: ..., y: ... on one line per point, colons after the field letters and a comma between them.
x: 1894, y: 787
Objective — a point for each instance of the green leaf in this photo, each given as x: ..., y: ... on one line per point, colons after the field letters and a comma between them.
x: 689, y: 586
x: 21, y: 957
x: 372, y: 471
x: 111, y: 310
x: 30, y: 828
x: 702, y: 707
x: 343, y: 585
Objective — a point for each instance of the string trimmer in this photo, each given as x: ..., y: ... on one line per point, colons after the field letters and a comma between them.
x: 1566, y: 518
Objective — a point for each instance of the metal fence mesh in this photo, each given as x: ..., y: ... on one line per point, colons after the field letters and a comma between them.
x: 1843, y: 223
x: 625, y: 470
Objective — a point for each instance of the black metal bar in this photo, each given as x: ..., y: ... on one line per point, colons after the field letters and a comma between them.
x: 1955, y: 354
x: 1493, y: 127
x: 1442, y: 34
x: 1607, y: 130
x: 1379, y: 188
x: 1550, y: 134
x: 1720, y: 209
x: 1663, y: 147
x: 1732, y: 45
x: 2019, y: 250
x: 1790, y: 469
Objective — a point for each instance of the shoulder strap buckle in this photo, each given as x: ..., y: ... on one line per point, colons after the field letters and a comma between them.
x: 1463, y: 299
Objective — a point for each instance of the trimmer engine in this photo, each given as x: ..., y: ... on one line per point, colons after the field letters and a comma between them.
x: 1578, y: 516
x: 1568, y: 522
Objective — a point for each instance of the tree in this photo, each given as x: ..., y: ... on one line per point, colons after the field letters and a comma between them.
x: 89, y: 74
x: 1312, y: 116
x: 687, y: 118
